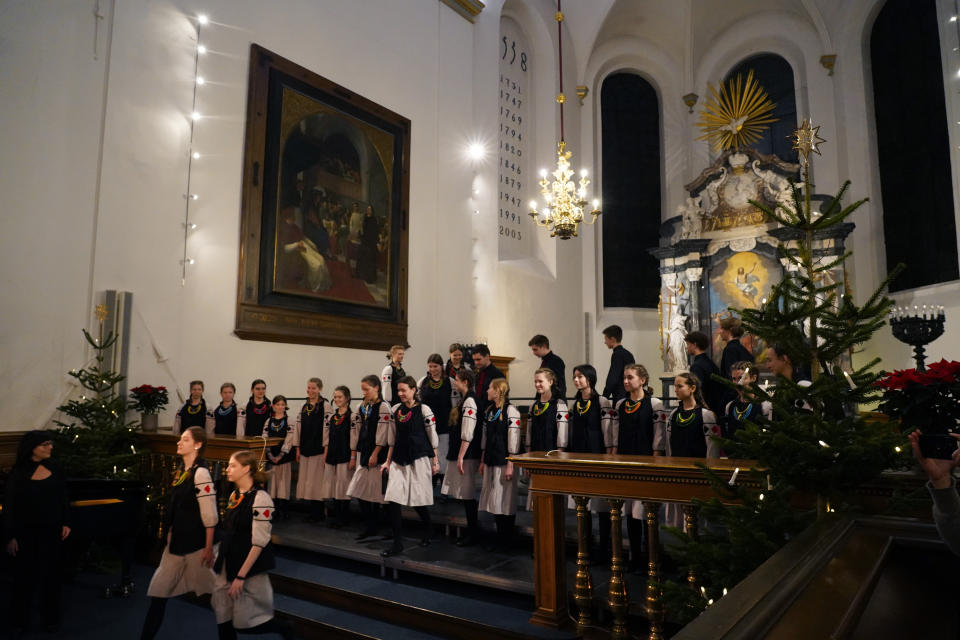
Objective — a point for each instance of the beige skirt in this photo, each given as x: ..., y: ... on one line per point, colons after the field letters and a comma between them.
x: 310, y: 480
x: 279, y: 484
x: 177, y: 575
x: 461, y: 486
x: 444, y: 440
x: 366, y: 484
x: 252, y: 608
x: 410, y: 484
x: 499, y: 495
x: 336, y: 481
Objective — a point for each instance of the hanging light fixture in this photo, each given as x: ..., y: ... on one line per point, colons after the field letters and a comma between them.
x: 565, y: 202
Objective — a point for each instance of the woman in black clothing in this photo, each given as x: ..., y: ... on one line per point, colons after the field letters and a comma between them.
x: 258, y: 409
x: 193, y: 413
x: 227, y: 419
x: 35, y: 516
x: 438, y: 393
x: 189, y: 522
x: 367, y: 260
x: 242, y: 596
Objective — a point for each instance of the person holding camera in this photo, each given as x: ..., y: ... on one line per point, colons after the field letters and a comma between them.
x: 943, y: 490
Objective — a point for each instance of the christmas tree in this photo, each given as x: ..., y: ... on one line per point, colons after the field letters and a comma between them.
x: 818, y: 448
x: 98, y: 442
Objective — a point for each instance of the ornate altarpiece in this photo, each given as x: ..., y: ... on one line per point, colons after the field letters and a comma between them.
x: 719, y: 253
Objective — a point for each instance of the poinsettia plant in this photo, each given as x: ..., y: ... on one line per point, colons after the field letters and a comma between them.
x: 926, y: 400
x: 148, y: 399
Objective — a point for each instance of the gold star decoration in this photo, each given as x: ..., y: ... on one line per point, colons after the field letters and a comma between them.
x: 807, y: 138
x: 736, y: 116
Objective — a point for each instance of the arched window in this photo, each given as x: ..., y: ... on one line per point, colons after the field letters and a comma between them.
x: 913, y: 147
x: 775, y: 75
x: 630, y: 119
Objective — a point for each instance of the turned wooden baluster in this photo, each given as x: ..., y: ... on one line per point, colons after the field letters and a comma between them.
x: 583, y: 591
x: 220, y: 482
x: 690, y: 513
x: 619, y: 599
x: 654, y: 589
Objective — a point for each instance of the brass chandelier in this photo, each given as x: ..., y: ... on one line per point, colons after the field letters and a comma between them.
x: 565, y: 202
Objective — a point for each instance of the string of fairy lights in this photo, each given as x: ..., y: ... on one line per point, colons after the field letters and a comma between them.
x: 189, y: 195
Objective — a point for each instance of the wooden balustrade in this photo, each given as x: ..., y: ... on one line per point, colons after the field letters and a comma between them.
x: 653, y: 480
x: 162, y: 463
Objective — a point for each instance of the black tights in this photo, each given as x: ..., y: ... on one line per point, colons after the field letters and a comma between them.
x: 226, y: 630
x: 154, y: 618
x: 396, y: 522
x: 635, y: 527
x: 470, y: 508
x: 370, y: 512
x: 505, y: 527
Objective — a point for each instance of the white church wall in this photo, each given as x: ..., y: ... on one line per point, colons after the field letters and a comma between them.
x: 49, y: 138
x: 416, y: 58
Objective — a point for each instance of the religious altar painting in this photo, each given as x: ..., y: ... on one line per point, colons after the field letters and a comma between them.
x: 326, y: 187
x: 741, y: 281
x: 333, y: 236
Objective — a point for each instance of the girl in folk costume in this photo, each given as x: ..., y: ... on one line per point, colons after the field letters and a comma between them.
x: 340, y: 435
x: 548, y: 422
x: 242, y: 596
x: 463, y: 455
x: 501, y: 438
x: 311, y: 422
x: 690, y: 431
x: 367, y: 482
x: 437, y: 392
x: 280, y: 455
x: 257, y: 410
x: 411, y: 463
x: 193, y: 413
x: 227, y: 419
x: 590, y: 432
x: 189, y: 522
x: 392, y: 373
x: 639, y: 429
x: 744, y: 408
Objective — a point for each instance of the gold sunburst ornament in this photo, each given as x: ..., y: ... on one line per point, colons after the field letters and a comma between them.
x: 737, y: 115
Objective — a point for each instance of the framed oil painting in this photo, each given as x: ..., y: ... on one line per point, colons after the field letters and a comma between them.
x: 324, y: 242
x: 741, y: 281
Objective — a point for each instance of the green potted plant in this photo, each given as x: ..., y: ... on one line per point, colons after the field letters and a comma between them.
x: 149, y: 401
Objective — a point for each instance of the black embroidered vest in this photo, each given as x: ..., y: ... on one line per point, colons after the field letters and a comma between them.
x: 311, y: 429
x: 636, y: 428
x: 236, y: 539
x: 411, y: 442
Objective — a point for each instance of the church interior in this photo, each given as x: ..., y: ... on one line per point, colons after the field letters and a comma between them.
x: 283, y: 190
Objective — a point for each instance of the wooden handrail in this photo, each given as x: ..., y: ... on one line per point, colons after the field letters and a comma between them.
x: 651, y: 479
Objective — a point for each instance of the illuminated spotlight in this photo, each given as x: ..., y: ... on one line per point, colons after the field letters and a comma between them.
x: 196, y: 155
x: 476, y: 151
x: 195, y: 115
x: 200, y: 80
x: 201, y: 49
x: 203, y: 19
